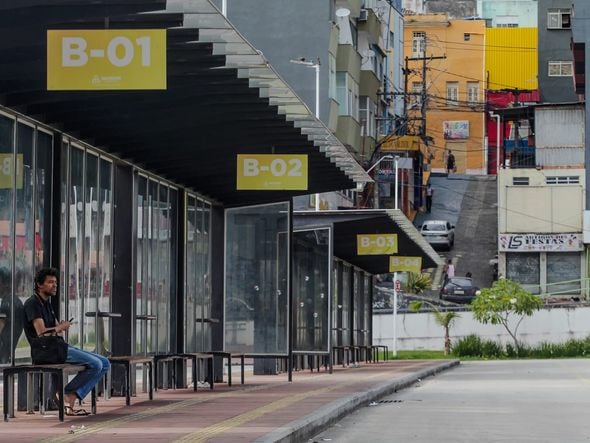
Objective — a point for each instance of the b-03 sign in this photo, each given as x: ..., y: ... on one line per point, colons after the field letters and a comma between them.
x: 106, y: 59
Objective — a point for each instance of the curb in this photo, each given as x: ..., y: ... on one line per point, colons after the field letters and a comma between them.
x: 310, y: 425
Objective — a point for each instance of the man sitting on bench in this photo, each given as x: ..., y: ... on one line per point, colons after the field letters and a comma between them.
x: 41, y: 319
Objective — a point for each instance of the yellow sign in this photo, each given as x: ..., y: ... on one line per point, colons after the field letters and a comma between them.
x: 269, y: 172
x: 7, y: 168
x: 407, y: 264
x: 403, y: 143
x: 376, y: 244
x: 106, y: 59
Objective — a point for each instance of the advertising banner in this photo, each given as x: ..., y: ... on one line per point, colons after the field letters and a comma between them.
x: 106, y: 59
x: 540, y: 242
x: 456, y: 130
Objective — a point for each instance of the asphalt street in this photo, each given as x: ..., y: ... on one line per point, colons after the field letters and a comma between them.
x: 470, y: 203
x: 541, y: 401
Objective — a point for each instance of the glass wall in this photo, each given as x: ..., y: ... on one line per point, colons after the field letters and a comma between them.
x: 197, y: 321
x: 311, y: 289
x: 86, y: 245
x: 357, y: 307
x: 25, y: 223
x: 345, y: 296
x: 155, y: 265
x: 256, y: 279
x: 336, y: 304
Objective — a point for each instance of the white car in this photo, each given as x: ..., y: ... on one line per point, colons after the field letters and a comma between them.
x: 439, y: 233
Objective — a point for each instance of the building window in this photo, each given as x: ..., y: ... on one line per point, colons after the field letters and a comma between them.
x: 466, y: 37
x: 418, y: 44
x: 507, y: 21
x: 416, y: 97
x: 560, y: 69
x: 563, y: 180
x: 559, y: 19
x: 452, y: 93
x: 332, y: 79
x: 525, y: 268
x: 473, y: 92
x: 367, y: 111
x: 520, y: 181
x: 347, y: 95
x: 391, y: 40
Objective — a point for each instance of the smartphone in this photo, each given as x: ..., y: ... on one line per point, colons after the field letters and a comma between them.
x: 71, y: 320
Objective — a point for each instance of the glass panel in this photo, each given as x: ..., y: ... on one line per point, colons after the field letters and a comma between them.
x: 345, y: 301
x: 207, y: 338
x: 256, y: 279
x: 191, y: 277
x: 44, y: 176
x: 311, y: 274
x: 141, y: 259
x: 105, y: 254
x: 76, y: 244
x: 563, y: 267
x: 524, y: 268
x: 163, y: 291
x: 90, y: 252
x: 152, y: 276
x: 357, y: 308
x: 336, y: 305
x: 65, y: 212
x: 199, y: 301
x: 367, y: 308
x: 23, y: 217
x: 6, y: 244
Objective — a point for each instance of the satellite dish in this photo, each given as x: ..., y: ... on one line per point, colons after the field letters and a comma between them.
x: 342, y: 12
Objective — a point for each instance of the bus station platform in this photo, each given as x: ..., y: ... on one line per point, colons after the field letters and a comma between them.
x: 267, y: 408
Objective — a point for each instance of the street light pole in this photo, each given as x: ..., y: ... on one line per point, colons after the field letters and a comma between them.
x: 395, y: 284
x: 316, y: 66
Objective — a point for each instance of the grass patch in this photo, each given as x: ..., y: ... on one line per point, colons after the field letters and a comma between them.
x: 419, y: 355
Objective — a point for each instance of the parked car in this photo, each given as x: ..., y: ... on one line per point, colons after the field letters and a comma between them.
x: 459, y: 290
x: 439, y: 233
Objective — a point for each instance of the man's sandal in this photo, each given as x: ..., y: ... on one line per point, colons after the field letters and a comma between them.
x: 71, y: 412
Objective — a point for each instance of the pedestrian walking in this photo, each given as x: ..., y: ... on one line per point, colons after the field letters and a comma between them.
x: 448, y: 271
x: 451, y: 163
x: 429, y: 194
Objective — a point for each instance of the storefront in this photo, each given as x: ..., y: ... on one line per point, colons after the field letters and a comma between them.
x: 550, y: 264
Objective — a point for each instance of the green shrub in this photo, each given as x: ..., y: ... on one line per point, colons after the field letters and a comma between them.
x: 470, y: 346
x: 492, y: 349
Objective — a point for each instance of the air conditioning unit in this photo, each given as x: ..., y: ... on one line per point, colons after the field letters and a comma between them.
x: 363, y: 15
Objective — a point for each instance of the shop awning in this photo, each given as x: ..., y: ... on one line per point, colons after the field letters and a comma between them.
x: 347, y: 224
x: 223, y: 98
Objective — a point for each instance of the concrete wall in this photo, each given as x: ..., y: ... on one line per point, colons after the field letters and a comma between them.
x: 554, y: 45
x: 524, y: 10
x: 420, y: 331
x: 539, y: 207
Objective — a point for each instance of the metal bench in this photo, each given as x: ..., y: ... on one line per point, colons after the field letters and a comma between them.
x: 30, y: 370
x: 194, y: 357
x: 230, y: 356
x: 128, y: 362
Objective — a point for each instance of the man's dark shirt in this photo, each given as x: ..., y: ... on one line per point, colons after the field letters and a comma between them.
x: 35, y: 308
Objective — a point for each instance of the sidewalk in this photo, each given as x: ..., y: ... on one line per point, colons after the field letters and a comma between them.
x: 265, y: 409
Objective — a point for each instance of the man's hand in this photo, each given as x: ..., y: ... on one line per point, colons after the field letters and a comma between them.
x: 63, y: 326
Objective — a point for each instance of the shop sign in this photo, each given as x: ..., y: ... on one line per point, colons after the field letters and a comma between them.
x: 540, y: 242
x: 405, y: 264
x: 269, y: 172
x: 7, y: 168
x: 106, y: 59
x: 456, y: 130
x: 376, y: 244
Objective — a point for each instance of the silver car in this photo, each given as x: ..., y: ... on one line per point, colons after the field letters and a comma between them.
x: 439, y: 233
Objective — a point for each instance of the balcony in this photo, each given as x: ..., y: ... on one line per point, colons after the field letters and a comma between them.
x: 519, y: 154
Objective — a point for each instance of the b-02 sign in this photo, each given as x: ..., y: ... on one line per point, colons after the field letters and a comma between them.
x: 271, y: 172
x: 106, y: 59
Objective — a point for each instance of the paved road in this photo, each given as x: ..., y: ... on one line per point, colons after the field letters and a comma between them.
x: 540, y: 401
x: 470, y: 203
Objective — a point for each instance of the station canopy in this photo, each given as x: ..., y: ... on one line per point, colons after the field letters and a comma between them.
x: 222, y: 98
x: 347, y: 224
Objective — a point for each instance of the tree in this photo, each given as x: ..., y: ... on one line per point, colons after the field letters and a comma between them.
x: 504, y: 301
x: 445, y: 319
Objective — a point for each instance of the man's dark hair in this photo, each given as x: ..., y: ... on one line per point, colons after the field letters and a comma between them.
x: 43, y: 273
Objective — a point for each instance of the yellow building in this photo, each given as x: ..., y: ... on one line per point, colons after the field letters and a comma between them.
x: 455, y: 88
x: 511, y: 58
